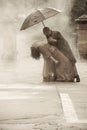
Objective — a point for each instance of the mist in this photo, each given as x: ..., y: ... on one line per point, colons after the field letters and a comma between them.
x: 15, y: 44
x: 12, y: 15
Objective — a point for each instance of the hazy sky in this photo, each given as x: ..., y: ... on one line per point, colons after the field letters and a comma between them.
x: 12, y: 8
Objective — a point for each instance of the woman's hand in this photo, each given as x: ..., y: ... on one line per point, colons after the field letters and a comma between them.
x: 51, y: 40
x: 54, y: 60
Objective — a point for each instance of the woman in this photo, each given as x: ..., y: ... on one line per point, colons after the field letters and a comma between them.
x: 57, y: 67
x: 49, y: 67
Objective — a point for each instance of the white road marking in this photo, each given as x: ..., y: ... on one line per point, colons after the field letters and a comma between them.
x: 12, y: 95
x: 24, y: 86
x: 69, y: 111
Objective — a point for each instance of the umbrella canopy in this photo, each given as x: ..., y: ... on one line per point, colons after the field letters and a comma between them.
x: 38, y: 16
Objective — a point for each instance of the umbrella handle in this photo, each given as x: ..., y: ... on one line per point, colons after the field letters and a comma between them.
x: 43, y: 23
x: 41, y: 15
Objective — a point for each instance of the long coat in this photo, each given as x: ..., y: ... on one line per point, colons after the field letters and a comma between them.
x: 63, y: 71
x: 62, y: 45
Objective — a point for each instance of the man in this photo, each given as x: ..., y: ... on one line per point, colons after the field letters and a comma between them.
x: 56, y: 39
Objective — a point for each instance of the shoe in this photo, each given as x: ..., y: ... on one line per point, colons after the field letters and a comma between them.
x: 77, y: 78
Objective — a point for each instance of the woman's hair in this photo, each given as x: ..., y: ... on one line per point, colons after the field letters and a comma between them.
x: 35, y: 53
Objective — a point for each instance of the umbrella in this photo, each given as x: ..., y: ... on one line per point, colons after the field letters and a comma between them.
x: 39, y: 15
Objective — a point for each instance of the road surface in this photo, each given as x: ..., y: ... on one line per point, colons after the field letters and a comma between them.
x: 26, y: 103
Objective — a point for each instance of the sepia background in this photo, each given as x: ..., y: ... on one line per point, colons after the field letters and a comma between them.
x: 15, y: 59
x: 26, y: 102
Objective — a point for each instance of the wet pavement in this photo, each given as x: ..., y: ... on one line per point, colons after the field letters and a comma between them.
x: 34, y: 105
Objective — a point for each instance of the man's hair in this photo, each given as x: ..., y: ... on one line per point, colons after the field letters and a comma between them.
x: 47, y: 32
x: 46, y: 29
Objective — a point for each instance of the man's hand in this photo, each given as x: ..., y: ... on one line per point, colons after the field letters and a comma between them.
x: 52, y: 40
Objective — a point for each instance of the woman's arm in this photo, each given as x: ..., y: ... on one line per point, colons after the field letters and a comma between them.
x: 54, y: 60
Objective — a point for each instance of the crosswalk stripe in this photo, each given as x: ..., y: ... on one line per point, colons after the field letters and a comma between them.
x: 69, y: 110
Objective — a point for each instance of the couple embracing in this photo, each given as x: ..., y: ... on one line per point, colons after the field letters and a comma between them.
x: 59, y: 61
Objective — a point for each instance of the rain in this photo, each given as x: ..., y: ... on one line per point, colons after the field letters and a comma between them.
x: 26, y: 102
x: 15, y: 44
